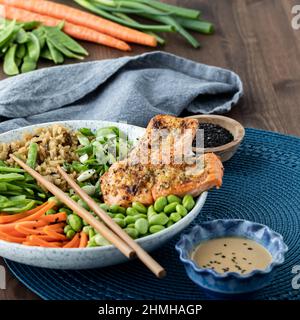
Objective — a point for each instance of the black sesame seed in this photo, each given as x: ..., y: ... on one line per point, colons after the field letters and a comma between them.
x: 223, y: 257
x: 225, y: 245
x: 250, y: 248
x: 244, y: 258
x: 244, y: 243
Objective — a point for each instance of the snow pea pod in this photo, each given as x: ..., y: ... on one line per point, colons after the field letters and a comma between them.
x: 46, y: 54
x: 56, y: 35
x: 10, y: 67
x: 40, y: 34
x: 33, y: 54
x: 56, y: 55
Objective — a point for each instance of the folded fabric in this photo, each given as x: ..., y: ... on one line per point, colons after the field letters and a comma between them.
x: 131, y: 89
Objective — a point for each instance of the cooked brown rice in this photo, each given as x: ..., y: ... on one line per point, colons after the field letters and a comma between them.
x: 57, y: 145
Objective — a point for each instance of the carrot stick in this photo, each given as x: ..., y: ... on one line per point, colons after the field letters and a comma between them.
x: 46, y: 238
x: 83, y: 240
x: 75, y: 31
x: 40, y: 242
x: 8, y: 218
x: 81, y: 18
x: 6, y: 237
x: 74, y: 243
x: 54, y: 234
x: 53, y: 218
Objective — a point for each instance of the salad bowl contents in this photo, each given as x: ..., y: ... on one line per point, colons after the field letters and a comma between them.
x: 41, y: 231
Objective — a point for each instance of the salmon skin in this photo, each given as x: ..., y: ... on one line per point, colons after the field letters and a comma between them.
x: 138, y: 178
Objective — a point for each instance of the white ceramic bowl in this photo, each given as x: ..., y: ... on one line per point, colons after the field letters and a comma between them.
x: 58, y: 258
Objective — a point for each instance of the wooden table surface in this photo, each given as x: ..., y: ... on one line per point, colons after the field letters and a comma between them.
x: 255, y: 39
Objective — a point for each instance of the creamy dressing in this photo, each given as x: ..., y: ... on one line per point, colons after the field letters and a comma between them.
x: 232, y: 254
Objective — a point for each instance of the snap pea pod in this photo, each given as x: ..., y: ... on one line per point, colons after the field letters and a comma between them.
x: 21, y: 51
x: 7, y: 33
x: 46, y: 54
x: 9, y: 66
x: 10, y: 169
x: 8, y: 177
x: 56, y: 55
x: 40, y: 34
x: 33, y: 54
x: 31, y: 159
x: 21, y: 36
x: 58, y: 36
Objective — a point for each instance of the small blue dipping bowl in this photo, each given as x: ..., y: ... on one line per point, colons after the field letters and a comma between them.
x: 231, y: 283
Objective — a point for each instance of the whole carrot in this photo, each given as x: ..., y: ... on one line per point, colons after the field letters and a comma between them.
x: 76, y: 16
x: 73, y: 30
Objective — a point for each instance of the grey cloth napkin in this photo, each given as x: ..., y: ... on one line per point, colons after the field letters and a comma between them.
x: 131, y: 89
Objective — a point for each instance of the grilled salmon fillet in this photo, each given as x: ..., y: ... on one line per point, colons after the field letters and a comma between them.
x: 137, y: 178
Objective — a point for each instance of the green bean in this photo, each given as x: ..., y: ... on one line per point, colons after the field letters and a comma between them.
x: 56, y: 55
x: 188, y: 202
x: 141, y: 225
x: 156, y: 228
x: 56, y: 35
x: 50, y: 211
x: 181, y: 210
x: 10, y: 67
x: 151, y: 211
x: 171, y: 207
x: 21, y: 36
x: 129, y: 219
x: 67, y: 228
x: 120, y: 222
x: 10, y: 169
x: 21, y: 51
x: 70, y: 234
x: 75, y: 222
x: 171, y: 198
x: 100, y: 241
x: 175, y: 216
x: 132, y: 232
x: 31, y: 158
x: 26, y: 207
x: 117, y: 209
x: 105, y: 14
x: 131, y: 211
x: 160, y: 218
x: 160, y: 203
x: 139, y: 207
x: 8, y: 177
x: 120, y: 216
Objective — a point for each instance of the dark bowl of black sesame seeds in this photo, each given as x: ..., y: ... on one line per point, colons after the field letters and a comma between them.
x: 221, y: 135
x: 230, y: 281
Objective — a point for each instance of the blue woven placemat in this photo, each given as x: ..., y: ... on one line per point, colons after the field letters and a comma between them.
x: 261, y: 183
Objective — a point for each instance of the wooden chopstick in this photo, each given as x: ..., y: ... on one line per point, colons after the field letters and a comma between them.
x: 107, y: 233
x: 156, y: 268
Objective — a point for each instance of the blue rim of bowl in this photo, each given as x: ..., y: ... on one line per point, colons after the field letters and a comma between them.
x: 180, y: 247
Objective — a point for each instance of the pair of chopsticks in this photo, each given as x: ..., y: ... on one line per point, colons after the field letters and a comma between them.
x: 110, y: 230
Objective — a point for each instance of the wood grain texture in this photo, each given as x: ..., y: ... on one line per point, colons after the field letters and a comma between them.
x: 255, y: 39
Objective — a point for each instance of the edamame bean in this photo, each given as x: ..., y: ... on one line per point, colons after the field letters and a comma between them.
x: 84, y: 223
x: 132, y: 232
x: 120, y: 215
x: 170, y: 223
x: 156, y: 228
x: 170, y: 207
x: 129, y: 219
x: 83, y: 204
x: 131, y: 211
x: 117, y: 209
x: 188, y: 202
x: 92, y: 243
x: 66, y: 210
x: 104, y: 206
x: 160, y: 203
x: 67, y: 228
x: 139, y: 207
x: 101, y: 241
x: 75, y: 197
x: 175, y: 216
x: 86, y: 229
x: 70, y: 234
x: 140, y: 215
x: 151, y: 211
x: 111, y: 214
x: 131, y: 225
x: 91, y: 233
x: 75, y: 222
x: 181, y: 210
x: 120, y: 222
x: 141, y: 225
x: 58, y: 202
x: 160, y: 218
x: 50, y: 211
x: 172, y: 198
